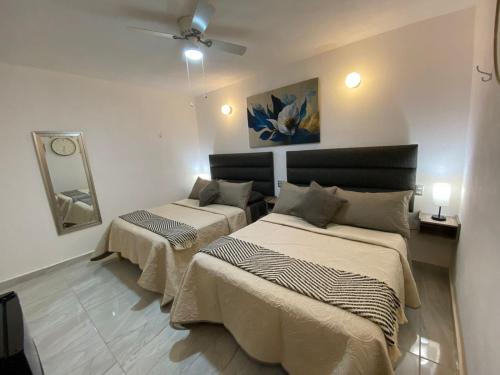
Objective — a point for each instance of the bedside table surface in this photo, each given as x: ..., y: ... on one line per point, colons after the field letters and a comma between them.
x: 451, y: 221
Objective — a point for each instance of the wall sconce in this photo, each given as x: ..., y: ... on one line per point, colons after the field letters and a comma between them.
x: 353, y: 80
x: 226, y: 109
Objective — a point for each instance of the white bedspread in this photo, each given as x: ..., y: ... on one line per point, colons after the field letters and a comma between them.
x: 162, y: 266
x: 74, y: 212
x: 276, y: 325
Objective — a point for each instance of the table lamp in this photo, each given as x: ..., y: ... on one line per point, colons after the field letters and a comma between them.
x: 441, y: 195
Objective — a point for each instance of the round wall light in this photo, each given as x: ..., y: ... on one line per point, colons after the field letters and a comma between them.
x: 353, y: 80
x: 226, y: 109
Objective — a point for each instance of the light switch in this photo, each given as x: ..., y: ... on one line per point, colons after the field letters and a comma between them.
x: 419, y: 190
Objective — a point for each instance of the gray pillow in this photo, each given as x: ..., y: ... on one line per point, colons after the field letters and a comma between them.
x: 234, y: 194
x: 209, y: 193
x: 319, y: 205
x: 330, y: 189
x: 198, y: 185
x: 290, y: 197
x: 381, y: 211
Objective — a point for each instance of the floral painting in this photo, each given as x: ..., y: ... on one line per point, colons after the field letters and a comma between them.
x: 285, y: 116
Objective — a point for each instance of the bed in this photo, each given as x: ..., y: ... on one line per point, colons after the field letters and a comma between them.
x: 162, y: 261
x: 275, y: 324
x: 74, y: 210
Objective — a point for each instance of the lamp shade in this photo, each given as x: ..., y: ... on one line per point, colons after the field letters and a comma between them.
x: 353, y: 80
x: 441, y: 194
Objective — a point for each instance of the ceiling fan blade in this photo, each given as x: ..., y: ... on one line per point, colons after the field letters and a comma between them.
x: 152, y: 32
x: 229, y: 47
x: 204, y: 11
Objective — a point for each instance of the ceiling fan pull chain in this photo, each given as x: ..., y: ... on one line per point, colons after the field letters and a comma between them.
x: 187, y: 71
x: 203, y: 73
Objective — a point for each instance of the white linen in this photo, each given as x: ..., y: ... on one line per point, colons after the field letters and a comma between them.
x: 75, y: 212
x: 80, y: 213
x: 63, y: 204
x: 162, y: 266
x: 276, y: 325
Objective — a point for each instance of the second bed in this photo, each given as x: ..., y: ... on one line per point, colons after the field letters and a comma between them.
x: 163, y: 261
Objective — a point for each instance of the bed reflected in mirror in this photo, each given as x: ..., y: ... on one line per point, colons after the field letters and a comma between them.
x: 67, y: 179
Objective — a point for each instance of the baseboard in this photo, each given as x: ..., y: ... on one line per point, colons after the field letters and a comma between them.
x: 30, y: 275
x: 462, y: 369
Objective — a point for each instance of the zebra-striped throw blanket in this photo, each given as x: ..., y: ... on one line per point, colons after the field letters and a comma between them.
x: 361, y: 295
x: 181, y: 236
x: 78, y: 196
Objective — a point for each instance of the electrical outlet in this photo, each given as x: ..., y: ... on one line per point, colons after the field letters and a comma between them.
x: 419, y: 190
x: 280, y: 183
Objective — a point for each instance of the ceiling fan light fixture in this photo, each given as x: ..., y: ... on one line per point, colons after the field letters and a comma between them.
x: 192, y: 34
x: 193, y: 54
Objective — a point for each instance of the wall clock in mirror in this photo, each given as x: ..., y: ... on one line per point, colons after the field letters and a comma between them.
x: 63, y: 146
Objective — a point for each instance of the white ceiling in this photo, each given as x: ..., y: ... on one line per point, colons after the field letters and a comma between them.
x: 90, y: 37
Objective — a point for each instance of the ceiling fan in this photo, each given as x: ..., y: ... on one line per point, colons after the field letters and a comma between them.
x: 192, y: 32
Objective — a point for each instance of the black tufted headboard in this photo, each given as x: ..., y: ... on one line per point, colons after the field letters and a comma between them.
x: 257, y: 167
x: 372, y: 169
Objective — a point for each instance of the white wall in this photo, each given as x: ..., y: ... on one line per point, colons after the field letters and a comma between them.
x: 415, y: 89
x: 477, y: 276
x: 142, y: 145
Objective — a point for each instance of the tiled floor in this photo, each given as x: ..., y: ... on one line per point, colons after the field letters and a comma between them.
x: 92, y: 318
x: 428, y: 340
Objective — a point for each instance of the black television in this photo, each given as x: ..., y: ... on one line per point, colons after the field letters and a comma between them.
x: 18, y: 353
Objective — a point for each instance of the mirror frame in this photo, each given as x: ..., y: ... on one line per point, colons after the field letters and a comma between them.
x: 47, y: 181
x: 496, y: 41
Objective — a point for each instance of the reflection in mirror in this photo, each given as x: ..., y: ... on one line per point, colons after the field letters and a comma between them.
x: 68, y: 181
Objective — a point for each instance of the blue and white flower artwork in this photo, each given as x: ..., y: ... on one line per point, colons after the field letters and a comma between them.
x: 285, y: 116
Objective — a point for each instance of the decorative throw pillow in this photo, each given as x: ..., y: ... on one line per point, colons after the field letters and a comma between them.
x: 381, y: 211
x: 198, y: 185
x: 209, y: 193
x: 330, y: 189
x: 319, y: 205
x: 290, y: 197
x: 234, y: 194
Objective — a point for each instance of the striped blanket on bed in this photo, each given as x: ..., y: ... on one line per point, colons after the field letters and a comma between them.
x: 79, y: 196
x: 180, y: 235
x: 361, y: 295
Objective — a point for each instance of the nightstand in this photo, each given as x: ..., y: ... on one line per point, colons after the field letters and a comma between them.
x: 270, y: 201
x: 435, y: 242
x: 449, y: 228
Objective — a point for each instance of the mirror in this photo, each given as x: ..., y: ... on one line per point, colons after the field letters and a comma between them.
x: 68, y: 181
x: 496, y: 51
